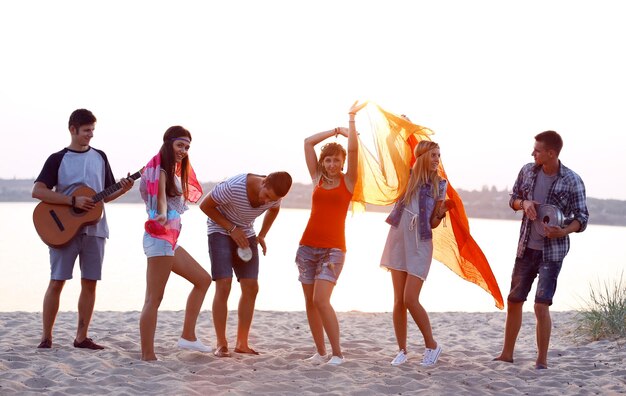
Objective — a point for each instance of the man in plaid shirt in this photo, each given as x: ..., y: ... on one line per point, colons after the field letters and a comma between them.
x: 541, y: 248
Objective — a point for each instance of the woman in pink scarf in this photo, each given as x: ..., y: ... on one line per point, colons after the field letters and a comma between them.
x: 167, y: 183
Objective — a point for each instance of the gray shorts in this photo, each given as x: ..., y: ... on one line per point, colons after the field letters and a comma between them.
x: 225, y: 261
x: 319, y: 263
x: 155, y: 247
x: 90, y: 250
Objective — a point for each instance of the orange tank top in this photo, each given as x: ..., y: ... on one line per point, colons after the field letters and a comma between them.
x: 326, y: 226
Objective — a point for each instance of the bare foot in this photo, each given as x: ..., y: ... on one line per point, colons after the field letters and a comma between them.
x: 246, y: 350
x: 222, y: 351
x: 502, y: 359
x: 46, y: 344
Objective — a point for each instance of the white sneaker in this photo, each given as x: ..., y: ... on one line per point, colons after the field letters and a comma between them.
x: 400, y: 358
x: 196, y: 345
x: 316, y: 359
x: 431, y: 356
x: 335, y: 361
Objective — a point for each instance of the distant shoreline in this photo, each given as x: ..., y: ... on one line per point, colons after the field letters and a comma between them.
x: 488, y: 203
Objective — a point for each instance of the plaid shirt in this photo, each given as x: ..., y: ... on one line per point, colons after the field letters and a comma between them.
x: 567, y: 193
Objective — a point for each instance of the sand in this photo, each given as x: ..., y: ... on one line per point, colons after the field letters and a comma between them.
x: 469, y: 340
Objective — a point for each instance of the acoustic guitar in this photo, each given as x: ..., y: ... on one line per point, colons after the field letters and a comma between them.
x: 57, y: 224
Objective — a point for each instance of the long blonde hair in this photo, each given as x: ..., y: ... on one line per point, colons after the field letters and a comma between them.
x: 421, y: 173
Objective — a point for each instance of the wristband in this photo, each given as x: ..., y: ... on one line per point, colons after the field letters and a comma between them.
x: 231, y: 230
x: 521, y: 205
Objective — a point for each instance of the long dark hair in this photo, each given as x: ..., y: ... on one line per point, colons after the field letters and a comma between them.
x: 168, y: 162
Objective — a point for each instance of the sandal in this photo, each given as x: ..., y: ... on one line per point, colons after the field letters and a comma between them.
x: 222, y: 351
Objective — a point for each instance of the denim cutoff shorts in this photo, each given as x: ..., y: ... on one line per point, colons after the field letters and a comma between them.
x: 319, y: 263
x: 225, y: 261
x: 155, y: 247
x: 526, y: 270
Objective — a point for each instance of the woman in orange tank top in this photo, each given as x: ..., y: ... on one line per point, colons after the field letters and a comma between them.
x: 322, y: 248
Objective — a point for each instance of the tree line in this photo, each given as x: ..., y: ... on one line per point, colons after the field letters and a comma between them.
x: 487, y: 203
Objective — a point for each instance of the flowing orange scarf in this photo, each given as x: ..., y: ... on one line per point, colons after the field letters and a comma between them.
x: 382, y: 178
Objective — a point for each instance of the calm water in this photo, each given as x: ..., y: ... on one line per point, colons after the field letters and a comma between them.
x: 596, y: 256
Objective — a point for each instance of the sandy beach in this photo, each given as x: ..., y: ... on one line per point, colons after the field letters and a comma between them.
x: 469, y: 340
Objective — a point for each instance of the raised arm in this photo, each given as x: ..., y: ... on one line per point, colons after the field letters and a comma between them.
x: 309, y: 148
x: 353, y: 146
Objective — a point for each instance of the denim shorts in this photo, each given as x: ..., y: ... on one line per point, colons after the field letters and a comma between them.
x: 90, y: 250
x: 224, y: 258
x: 526, y: 270
x: 319, y: 263
x: 155, y: 247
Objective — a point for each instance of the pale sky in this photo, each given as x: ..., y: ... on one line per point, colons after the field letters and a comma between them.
x: 252, y: 79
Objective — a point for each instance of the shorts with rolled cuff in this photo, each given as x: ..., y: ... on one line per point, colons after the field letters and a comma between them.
x: 225, y: 261
x: 526, y: 269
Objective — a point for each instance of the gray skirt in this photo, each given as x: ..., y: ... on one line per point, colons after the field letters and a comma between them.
x: 404, y: 251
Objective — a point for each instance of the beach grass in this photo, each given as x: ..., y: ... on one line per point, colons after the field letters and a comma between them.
x: 604, y: 317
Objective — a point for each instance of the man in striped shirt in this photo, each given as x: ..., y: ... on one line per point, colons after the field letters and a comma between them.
x: 542, y: 248
x: 232, y: 207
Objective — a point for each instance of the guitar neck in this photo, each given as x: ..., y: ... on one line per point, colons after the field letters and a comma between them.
x: 111, y: 189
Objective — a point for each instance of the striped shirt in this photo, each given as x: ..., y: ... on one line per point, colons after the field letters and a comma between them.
x: 232, y: 201
x: 567, y: 193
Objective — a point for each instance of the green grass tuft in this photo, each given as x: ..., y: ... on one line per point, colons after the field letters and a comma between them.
x: 605, y: 314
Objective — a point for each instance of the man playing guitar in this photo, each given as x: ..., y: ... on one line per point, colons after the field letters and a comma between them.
x: 76, y: 166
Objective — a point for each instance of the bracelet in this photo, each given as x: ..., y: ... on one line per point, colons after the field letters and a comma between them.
x: 73, y: 201
x: 352, y: 114
x: 521, y: 204
x: 351, y: 121
x: 232, y: 229
x: 336, y: 131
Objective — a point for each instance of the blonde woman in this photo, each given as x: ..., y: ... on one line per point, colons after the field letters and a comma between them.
x: 408, y: 251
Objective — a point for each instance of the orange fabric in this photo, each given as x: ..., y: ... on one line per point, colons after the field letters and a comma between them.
x: 327, y: 223
x: 383, y: 176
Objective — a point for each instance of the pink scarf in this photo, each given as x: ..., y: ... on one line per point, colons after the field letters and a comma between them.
x: 149, y: 189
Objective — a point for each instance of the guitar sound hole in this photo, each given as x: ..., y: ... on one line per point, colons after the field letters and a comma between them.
x: 78, y: 211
